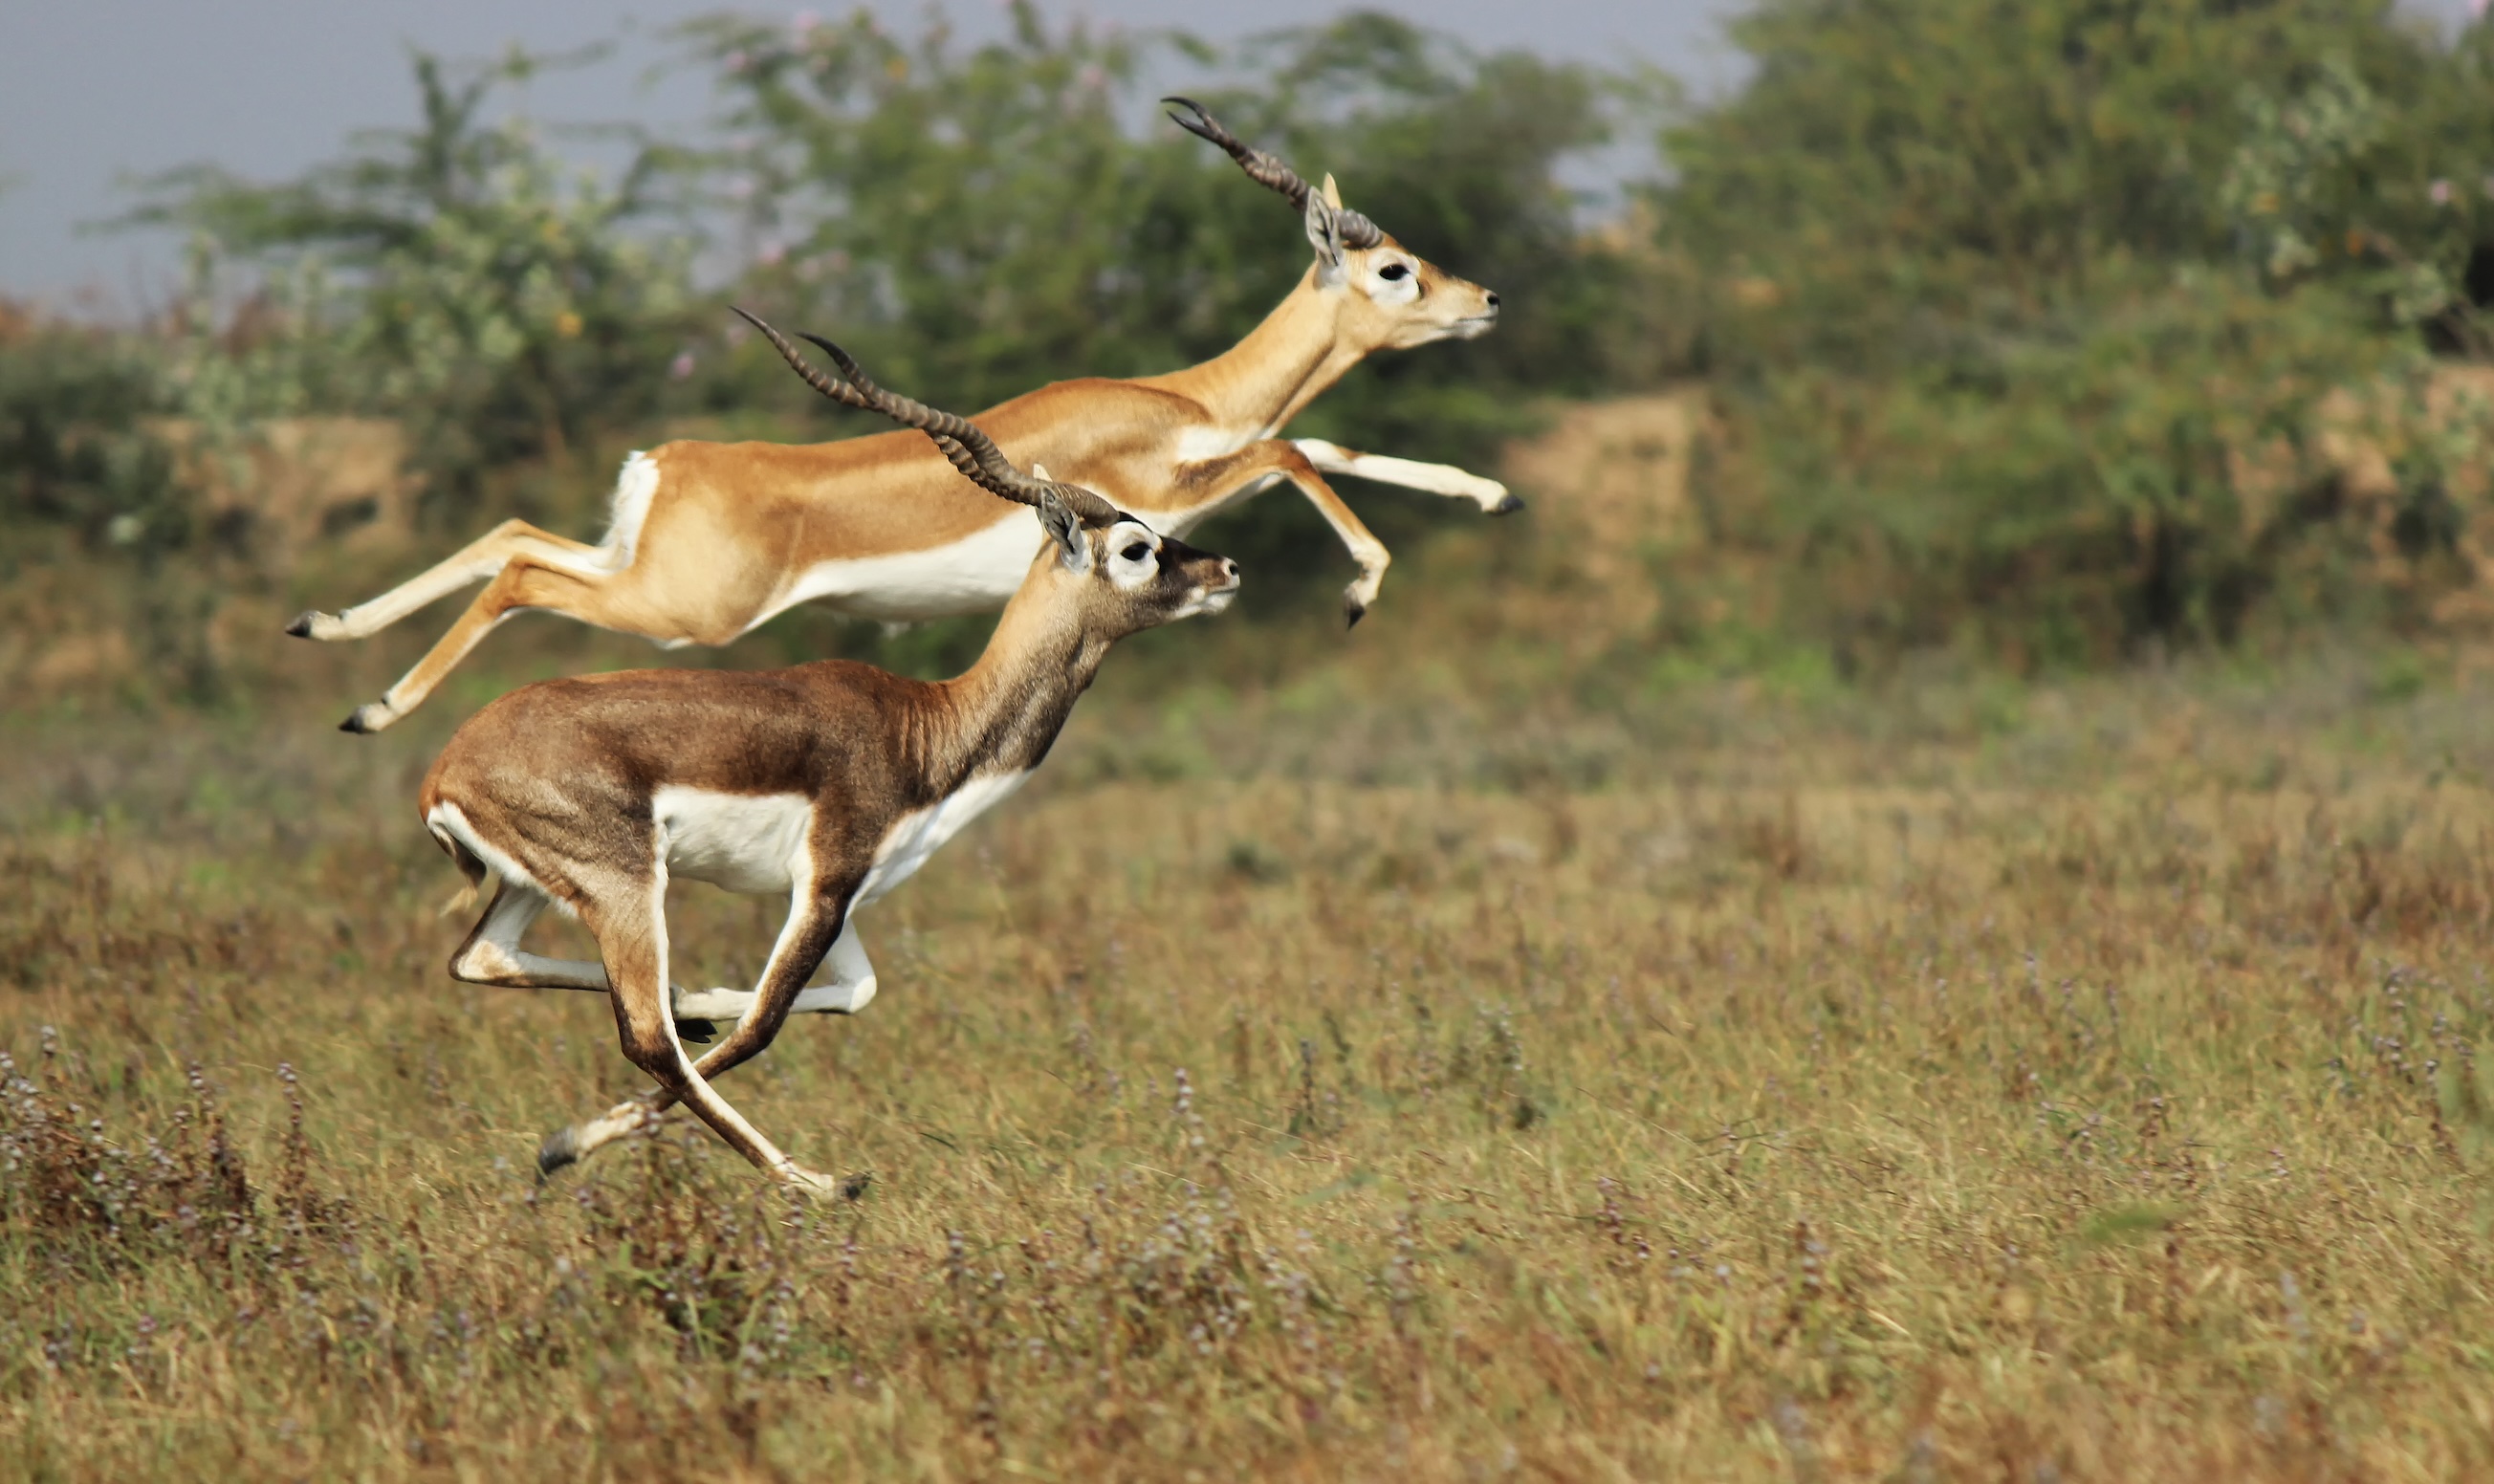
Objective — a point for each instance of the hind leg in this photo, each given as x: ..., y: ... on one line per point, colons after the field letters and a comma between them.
x: 523, y: 584
x: 492, y: 956
x: 482, y: 558
x: 492, y: 953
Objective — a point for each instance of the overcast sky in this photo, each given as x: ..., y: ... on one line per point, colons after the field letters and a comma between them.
x: 95, y: 91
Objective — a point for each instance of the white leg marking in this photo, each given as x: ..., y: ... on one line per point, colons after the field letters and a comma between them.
x: 367, y: 618
x: 851, y: 988
x: 1408, y: 473
x: 395, y: 703
x: 497, y: 958
x: 713, y: 1109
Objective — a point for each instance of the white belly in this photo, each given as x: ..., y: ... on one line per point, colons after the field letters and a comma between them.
x: 744, y: 842
x: 971, y: 575
x: 917, y: 835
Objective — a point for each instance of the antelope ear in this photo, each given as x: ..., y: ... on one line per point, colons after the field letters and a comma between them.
x: 1065, y: 529
x: 1332, y: 195
x: 1324, y: 234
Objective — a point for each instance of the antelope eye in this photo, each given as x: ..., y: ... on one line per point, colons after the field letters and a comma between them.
x: 1136, y: 552
x: 1394, y: 273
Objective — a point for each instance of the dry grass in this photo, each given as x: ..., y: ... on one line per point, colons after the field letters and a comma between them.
x: 2076, y: 1084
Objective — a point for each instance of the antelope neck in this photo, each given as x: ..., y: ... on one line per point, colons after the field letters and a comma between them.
x: 1283, y: 364
x: 1005, y: 710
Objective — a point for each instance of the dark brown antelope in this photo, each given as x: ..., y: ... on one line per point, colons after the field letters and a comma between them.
x: 832, y: 782
x: 707, y: 540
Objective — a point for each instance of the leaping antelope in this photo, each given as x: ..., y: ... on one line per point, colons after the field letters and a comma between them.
x: 709, y: 540
x: 831, y: 781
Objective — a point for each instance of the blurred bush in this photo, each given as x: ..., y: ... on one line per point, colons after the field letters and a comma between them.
x: 459, y: 275
x: 73, y: 449
x: 2001, y: 298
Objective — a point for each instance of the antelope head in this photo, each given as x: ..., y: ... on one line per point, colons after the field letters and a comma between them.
x: 1125, y: 576
x: 1119, y: 575
x: 1391, y: 296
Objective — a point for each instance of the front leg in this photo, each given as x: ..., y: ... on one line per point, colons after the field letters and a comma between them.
x: 629, y: 922
x: 1214, y: 480
x: 1445, y: 479
x: 818, y: 924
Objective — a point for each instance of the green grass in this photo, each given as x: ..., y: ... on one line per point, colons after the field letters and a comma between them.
x: 1936, y: 1084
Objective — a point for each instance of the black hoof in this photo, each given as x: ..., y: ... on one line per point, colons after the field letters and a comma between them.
x: 1352, y: 611
x: 700, y: 1033
x: 1508, y: 506
x: 301, y: 627
x: 853, y: 1187
x: 355, y: 722
x: 559, y: 1149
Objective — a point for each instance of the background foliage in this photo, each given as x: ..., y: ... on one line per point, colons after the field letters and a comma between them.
x: 1999, y: 288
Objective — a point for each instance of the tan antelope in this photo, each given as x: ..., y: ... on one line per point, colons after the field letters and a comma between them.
x: 831, y: 781
x: 709, y: 540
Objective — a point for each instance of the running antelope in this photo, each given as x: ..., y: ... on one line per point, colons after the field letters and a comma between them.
x: 831, y: 781
x: 709, y: 540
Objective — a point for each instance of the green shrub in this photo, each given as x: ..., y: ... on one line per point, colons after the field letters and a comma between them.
x: 1999, y: 294
x: 2074, y: 496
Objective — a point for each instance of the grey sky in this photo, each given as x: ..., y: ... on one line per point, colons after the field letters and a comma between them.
x: 95, y: 91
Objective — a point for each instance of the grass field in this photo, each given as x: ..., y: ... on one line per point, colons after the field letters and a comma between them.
x: 1338, y: 1080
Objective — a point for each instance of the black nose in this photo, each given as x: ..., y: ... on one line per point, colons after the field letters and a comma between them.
x: 1493, y: 301
x: 1230, y: 569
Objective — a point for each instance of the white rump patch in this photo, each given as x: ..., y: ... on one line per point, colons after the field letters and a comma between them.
x: 919, y: 834
x: 744, y: 842
x: 634, y: 488
x: 446, y: 819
